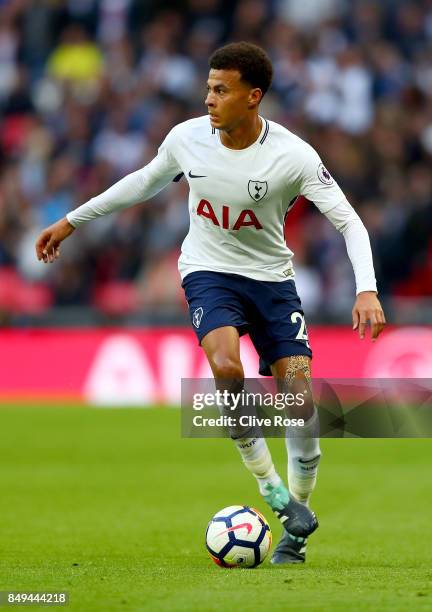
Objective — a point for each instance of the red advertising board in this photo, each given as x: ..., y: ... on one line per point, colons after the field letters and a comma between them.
x: 145, y: 366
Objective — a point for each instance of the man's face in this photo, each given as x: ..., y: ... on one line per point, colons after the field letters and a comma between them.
x: 229, y: 99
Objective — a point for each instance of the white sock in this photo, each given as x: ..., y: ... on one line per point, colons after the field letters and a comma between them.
x: 303, y: 458
x: 256, y: 457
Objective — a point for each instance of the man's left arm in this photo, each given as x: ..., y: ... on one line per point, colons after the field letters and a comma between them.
x: 367, y: 306
x: 319, y: 187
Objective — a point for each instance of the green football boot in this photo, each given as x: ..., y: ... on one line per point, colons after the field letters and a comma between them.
x: 296, y: 518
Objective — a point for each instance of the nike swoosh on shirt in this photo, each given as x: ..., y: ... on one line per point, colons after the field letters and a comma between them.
x: 196, y: 175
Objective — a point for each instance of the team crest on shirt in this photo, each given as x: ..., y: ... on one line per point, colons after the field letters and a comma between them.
x: 197, y: 316
x: 257, y: 190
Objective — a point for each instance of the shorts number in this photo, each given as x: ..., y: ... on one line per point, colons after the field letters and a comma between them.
x: 302, y: 333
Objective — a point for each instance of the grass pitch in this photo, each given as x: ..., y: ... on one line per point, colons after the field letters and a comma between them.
x: 112, y: 505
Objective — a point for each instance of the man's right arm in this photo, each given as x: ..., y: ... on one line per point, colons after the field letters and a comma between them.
x: 132, y: 189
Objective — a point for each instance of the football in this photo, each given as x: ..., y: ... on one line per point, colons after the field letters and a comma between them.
x: 238, y: 536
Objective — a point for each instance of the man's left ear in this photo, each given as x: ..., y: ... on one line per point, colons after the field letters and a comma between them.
x: 255, y: 97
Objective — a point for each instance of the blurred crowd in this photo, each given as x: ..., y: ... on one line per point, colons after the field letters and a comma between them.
x: 89, y: 89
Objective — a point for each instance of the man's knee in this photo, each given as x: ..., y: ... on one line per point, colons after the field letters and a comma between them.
x: 297, y: 369
x: 227, y: 368
x: 293, y: 375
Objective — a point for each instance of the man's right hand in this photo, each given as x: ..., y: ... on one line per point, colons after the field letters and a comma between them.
x: 48, y: 242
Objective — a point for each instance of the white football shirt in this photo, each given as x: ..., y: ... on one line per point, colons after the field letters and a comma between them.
x: 238, y: 200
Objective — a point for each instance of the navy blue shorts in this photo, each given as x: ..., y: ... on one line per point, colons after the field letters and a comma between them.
x: 270, y: 312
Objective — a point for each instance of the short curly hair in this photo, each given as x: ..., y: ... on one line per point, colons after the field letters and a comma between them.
x: 251, y: 61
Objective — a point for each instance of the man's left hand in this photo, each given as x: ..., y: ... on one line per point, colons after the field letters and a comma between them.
x: 368, y: 308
